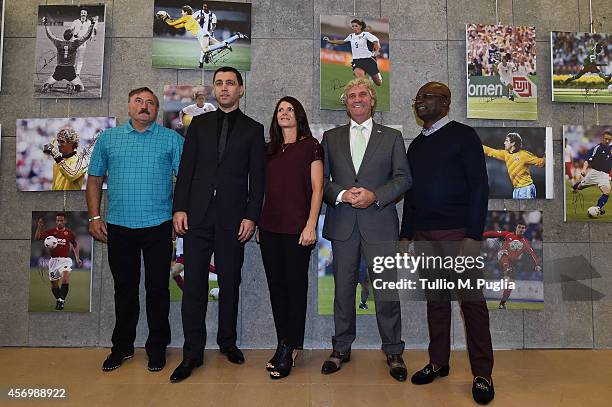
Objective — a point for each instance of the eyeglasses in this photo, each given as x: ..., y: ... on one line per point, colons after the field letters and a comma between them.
x: 428, y: 96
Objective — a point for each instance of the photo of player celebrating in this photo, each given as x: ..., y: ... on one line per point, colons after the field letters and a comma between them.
x: 512, y: 251
x: 519, y: 161
x: 363, y: 52
x: 590, y: 165
x: 66, y: 67
x: 581, y: 67
x: 52, y: 154
x: 60, y: 256
x: 501, y: 72
x: 189, y: 35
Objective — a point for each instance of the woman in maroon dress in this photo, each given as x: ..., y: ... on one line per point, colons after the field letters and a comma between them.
x: 288, y: 225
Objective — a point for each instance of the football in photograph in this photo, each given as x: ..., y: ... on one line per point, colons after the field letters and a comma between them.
x: 52, y: 154
x: 181, y: 103
x: 501, y: 72
x: 69, y: 57
x: 354, y: 47
x: 581, y: 67
x: 201, y: 34
x: 513, y: 266
x: 587, y: 168
x: 60, y: 262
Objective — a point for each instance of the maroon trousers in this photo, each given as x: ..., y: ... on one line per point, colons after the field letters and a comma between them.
x: 475, y: 315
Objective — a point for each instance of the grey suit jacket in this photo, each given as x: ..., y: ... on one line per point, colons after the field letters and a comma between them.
x: 384, y: 170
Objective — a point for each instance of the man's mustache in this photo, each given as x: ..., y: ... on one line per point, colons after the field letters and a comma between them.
x: 145, y: 111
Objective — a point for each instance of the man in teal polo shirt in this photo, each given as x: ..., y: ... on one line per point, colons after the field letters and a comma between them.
x: 138, y: 160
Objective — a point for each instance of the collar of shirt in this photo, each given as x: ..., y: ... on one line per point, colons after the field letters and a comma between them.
x: 131, y: 128
x: 367, y: 130
x: 436, y: 126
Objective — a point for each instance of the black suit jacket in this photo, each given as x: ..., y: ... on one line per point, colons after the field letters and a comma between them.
x: 238, y: 178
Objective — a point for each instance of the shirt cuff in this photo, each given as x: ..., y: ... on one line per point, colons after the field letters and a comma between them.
x: 339, y: 197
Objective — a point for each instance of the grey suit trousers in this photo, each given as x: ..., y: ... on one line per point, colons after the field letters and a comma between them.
x: 346, y: 258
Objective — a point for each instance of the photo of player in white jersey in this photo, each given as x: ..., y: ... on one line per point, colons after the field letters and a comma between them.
x: 362, y: 52
x: 69, y: 51
x: 181, y: 103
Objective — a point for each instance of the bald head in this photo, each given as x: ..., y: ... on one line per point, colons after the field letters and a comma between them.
x: 432, y: 102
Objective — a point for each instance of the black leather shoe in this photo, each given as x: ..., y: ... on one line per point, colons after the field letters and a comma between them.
x: 114, y: 360
x: 157, y: 361
x: 334, y: 362
x: 233, y: 354
x: 397, y: 367
x: 482, y: 391
x: 428, y: 374
x: 183, y: 370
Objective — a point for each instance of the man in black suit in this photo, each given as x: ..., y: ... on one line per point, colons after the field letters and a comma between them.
x: 217, y: 200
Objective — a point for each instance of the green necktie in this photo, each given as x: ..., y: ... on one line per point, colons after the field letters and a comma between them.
x: 359, y: 147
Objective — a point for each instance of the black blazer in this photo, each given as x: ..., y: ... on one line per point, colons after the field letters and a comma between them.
x: 238, y: 178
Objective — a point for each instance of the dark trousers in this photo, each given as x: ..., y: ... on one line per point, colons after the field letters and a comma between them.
x: 286, y: 264
x: 475, y: 315
x: 199, y: 244
x: 125, y: 246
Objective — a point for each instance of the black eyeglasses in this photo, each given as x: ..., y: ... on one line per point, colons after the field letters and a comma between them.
x: 428, y: 96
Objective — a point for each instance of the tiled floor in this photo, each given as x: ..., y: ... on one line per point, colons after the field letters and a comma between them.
x: 522, y: 378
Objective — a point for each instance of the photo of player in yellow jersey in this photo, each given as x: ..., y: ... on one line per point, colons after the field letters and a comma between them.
x: 519, y: 162
x: 52, y: 154
x: 192, y: 34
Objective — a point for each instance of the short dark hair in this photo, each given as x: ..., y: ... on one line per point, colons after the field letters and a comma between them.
x: 229, y: 69
x: 140, y: 90
x: 62, y: 214
x: 187, y: 9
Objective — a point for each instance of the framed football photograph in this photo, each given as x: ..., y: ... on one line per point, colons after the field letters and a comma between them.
x: 501, y: 72
x: 581, y: 65
x: 181, y: 103
x: 354, y: 47
x: 201, y: 34
x: 587, y: 167
x: 60, y: 262
x: 519, y: 161
x: 69, y: 57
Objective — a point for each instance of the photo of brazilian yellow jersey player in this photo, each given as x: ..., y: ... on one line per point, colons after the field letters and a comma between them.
x: 69, y: 51
x: 196, y: 34
x: 581, y: 67
x: 501, y: 72
x: 52, y: 154
x: 519, y: 161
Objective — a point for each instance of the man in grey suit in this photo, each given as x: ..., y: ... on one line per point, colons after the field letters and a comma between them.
x: 366, y: 173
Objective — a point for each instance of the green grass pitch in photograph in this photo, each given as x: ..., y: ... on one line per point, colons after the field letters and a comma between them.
x: 42, y: 299
x: 517, y: 305
x: 576, y: 204
x: 185, y: 54
x: 177, y: 295
x: 333, y: 79
x: 326, y: 298
x: 577, y: 95
x: 485, y: 108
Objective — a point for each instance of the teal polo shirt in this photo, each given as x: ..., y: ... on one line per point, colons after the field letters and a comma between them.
x: 140, y: 169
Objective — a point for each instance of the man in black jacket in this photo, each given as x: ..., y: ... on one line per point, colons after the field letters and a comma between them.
x: 217, y: 200
x: 448, y: 202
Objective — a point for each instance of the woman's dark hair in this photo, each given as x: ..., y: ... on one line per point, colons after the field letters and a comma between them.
x: 361, y: 23
x: 276, y: 132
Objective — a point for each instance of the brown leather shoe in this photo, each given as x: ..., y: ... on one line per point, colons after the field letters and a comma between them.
x: 397, y: 367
